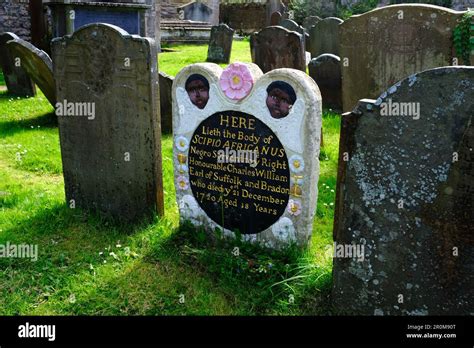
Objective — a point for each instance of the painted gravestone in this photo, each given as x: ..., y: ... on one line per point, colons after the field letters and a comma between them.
x: 16, y: 78
x: 246, y: 151
x: 109, y: 123
x: 324, y: 37
x: 404, y: 233
x: 277, y: 47
x: 37, y: 64
x: 220, y: 44
x: 326, y: 72
x: 383, y: 46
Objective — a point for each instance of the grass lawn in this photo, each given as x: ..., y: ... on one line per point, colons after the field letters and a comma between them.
x: 90, y: 266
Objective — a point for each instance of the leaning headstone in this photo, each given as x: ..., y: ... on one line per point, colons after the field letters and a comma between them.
x: 220, y: 45
x: 275, y: 18
x: 310, y: 22
x: 326, y: 72
x: 37, y: 64
x: 383, y: 46
x: 109, y: 122
x: 404, y: 238
x: 17, y: 80
x: 246, y: 152
x: 277, y: 47
x: 324, y: 37
x: 166, y: 105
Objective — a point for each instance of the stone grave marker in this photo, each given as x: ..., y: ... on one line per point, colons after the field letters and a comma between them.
x: 272, y: 7
x: 37, y: 64
x: 109, y: 121
x: 166, y: 104
x: 276, y: 18
x: 383, y: 46
x: 324, y: 37
x: 16, y: 78
x: 277, y: 47
x: 310, y: 22
x: 220, y: 44
x: 403, y: 226
x: 326, y: 72
x: 293, y: 26
x: 246, y: 149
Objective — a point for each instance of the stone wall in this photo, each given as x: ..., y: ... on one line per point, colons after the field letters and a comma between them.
x: 15, y: 17
x: 246, y: 18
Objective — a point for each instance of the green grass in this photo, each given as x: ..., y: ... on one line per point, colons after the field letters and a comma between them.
x: 183, y: 55
x: 2, y: 79
x: 91, y: 266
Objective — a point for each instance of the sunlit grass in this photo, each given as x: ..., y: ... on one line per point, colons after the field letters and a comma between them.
x: 88, y: 265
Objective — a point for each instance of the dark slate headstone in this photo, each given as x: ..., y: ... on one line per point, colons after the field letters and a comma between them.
x: 310, y: 22
x: 127, y: 20
x: 37, y: 64
x: 324, y: 37
x: 166, y: 84
x: 277, y: 47
x: 326, y: 71
x: 135, y: 17
x: 220, y: 44
x: 17, y: 80
x: 383, y: 46
x: 112, y: 153
x: 405, y: 199
x: 275, y: 18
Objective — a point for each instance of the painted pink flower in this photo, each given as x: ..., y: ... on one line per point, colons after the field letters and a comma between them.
x: 294, y: 207
x: 183, y: 182
x: 236, y: 81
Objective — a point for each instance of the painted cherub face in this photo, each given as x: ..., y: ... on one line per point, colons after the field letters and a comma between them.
x: 280, y: 99
x: 198, y: 92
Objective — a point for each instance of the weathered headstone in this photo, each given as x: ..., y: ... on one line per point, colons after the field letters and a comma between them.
x: 246, y: 152
x: 109, y: 121
x: 17, y: 80
x: 277, y: 47
x: 293, y: 26
x: 275, y: 18
x: 383, y: 46
x: 272, y: 7
x: 324, y: 37
x: 196, y: 11
x: 37, y: 64
x: 220, y: 45
x: 405, y: 199
x: 326, y: 72
x: 166, y: 104
x: 310, y: 22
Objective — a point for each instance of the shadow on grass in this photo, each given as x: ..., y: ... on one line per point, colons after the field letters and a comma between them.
x: 258, y: 281
x: 213, y: 277
x: 10, y: 127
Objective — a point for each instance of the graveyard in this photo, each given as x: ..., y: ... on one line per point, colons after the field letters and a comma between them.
x: 291, y: 166
x: 95, y: 267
